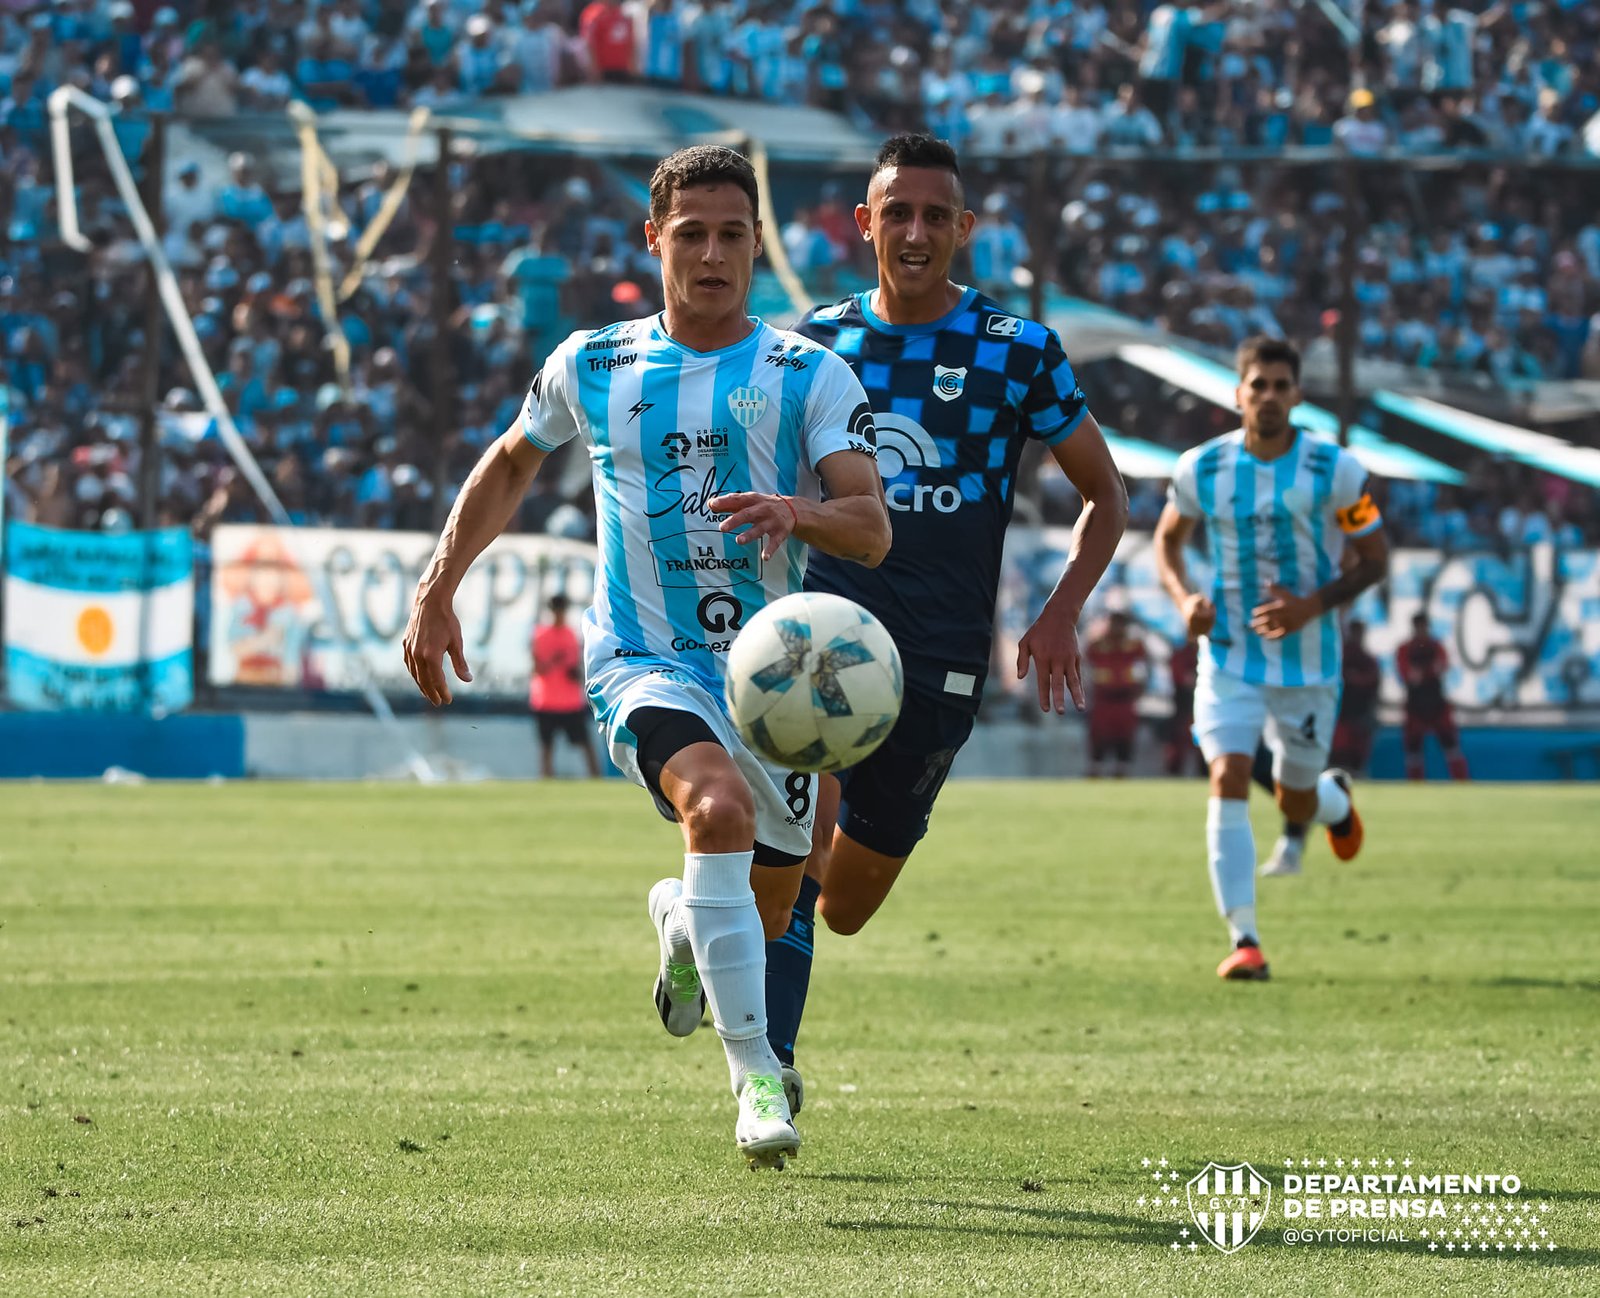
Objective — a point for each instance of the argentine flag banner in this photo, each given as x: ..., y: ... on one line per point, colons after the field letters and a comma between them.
x: 99, y: 623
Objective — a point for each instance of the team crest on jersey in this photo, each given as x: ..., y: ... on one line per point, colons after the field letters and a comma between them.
x: 948, y: 383
x: 1002, y: 326
x: 747, y: 405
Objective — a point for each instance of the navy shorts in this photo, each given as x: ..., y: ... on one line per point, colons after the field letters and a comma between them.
x: 888, y: 798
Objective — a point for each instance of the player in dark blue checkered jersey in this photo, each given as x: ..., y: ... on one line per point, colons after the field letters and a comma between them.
x: 958, y: 385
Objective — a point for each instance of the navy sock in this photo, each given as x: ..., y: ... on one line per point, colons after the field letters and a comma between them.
x: 789, y: 972
x: 1294, y: 831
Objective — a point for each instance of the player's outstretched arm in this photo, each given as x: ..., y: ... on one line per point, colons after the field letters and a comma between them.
x: 1051, y: 643
x: 853, y: 523
x: 1172, y: 534
x: 488, y: 499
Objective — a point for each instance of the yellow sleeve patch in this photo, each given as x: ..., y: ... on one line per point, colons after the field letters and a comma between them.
x: 1358, y: 517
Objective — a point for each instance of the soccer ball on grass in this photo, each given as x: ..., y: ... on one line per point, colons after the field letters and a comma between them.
x: 814, y: 682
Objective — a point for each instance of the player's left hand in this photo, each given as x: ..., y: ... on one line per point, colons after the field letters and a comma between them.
x: 1283, y: 614
x: 765, y: 518
x: 1052, y: 644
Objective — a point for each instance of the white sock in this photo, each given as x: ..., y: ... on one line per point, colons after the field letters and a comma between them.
x: 1241, y: 922
x: 1231, y: 854
x: 1333, y: 803
x: 730, y: 951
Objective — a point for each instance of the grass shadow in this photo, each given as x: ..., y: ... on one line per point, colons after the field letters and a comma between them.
x: 1052, y: 1224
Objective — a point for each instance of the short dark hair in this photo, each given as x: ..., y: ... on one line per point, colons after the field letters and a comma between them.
x: 1266, y: 350
x: 916, y: 149
x: 702, y: 164
x: 559, y: 603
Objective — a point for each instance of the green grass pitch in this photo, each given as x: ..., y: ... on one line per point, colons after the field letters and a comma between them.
x: 304, y: 1040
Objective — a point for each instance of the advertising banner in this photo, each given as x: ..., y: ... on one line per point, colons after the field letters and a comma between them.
x: 325, y: 608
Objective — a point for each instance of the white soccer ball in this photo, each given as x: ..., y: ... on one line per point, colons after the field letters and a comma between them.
x: 814, y: 682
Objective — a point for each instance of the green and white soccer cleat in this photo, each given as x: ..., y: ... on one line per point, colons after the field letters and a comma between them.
x: 680, y: 999
x: 765, y: 1132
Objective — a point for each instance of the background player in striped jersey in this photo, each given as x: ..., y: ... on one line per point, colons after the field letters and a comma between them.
x: 713, y: 438
x: 1278, y: 507
x: 959, y: 385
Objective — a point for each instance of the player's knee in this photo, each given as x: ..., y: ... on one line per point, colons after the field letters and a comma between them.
x: 721, y: 816
x: 774, y: 917
x: 1230, y: 778
x: 844, y: 920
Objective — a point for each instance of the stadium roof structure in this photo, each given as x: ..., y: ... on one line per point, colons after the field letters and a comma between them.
x: 1540, y: 451
x: 1137, y: 458
x: 617, y: 122
x: 1216, y: 383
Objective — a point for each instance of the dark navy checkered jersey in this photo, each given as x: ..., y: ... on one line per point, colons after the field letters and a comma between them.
x: 953, y: 402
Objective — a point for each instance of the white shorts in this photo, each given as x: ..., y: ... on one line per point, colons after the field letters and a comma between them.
x: 786, y: 801
x: 1233, y: 716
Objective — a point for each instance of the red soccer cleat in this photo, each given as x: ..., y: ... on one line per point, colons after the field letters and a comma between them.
x: 1245, y: 964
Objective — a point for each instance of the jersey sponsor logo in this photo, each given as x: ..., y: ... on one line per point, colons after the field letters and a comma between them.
x: 718, y: 612
x: 686, y: 492
x: 783, y: 361
x: 606, y: 344
x: 903, y: 444
x: 683, y: 642
x: 708, y: 559
x: 747, y: 405
x: 705, y: 441
x: 862, y: 427
x: 638, y: 408
x: 948, y: 382
x: 1002, y: 326
x: 919, y: 497
x: 609, y: 363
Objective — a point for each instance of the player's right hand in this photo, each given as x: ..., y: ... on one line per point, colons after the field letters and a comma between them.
x: 431, y: 632
x: 1199, y: 615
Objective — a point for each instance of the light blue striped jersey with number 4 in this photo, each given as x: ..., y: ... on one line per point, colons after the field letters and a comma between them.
x: 1280, y: 521
x: 668, y: 429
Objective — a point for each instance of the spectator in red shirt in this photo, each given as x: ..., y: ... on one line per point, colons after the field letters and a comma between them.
x: 1423, y: 663
x: 1116, y: 661
x: 555, y: 694
x: 613, y: 47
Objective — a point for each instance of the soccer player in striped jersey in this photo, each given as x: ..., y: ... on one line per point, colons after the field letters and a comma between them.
x: 1279, y: 507
x: 721, y: 449
x: 959, y: 386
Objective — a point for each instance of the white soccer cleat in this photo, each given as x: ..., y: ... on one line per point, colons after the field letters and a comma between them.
x: 765, y: 1132
x: 1285, y: 859
x: 679, y: 997
x: 794, y: 1088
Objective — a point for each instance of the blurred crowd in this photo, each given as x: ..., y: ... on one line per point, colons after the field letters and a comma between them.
x: 1478, y: 271
x: 1517, y: 75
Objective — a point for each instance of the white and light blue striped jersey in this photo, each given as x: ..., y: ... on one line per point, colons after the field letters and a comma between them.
x: 1277, y: 521
x: 668, y: 429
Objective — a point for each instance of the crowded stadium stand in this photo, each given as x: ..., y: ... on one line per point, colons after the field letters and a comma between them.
x: 1409, y: 191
